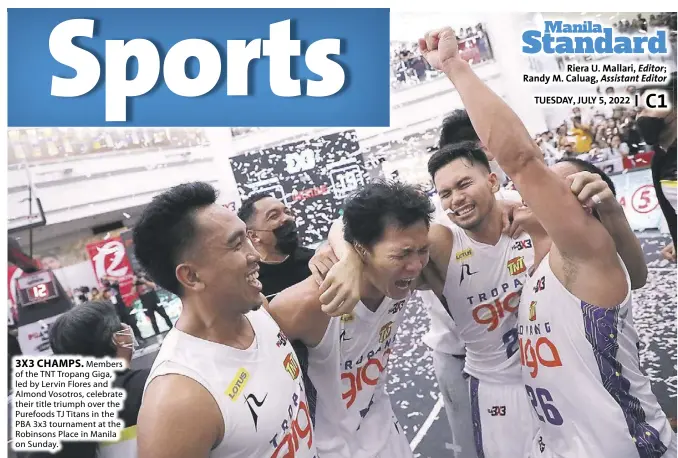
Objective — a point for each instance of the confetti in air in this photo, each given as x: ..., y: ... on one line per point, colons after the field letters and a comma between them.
x: 312, y: 177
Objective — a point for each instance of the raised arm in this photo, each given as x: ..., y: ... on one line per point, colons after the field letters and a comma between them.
x: 580, y: 239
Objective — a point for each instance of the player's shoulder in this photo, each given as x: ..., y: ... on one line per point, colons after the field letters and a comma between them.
x: 174, y: 401
x: 441, y: 236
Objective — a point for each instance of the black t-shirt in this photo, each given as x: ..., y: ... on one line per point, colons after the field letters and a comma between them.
x: 149, y: 298
x: 277, y: 277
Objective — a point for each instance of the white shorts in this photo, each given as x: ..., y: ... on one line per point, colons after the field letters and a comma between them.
x: 398, y: 445
x: 540, y: 449
x: 502, y: 419
x: 389, y: 442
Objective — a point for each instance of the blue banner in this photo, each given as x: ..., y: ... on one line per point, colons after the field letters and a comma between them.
x: 198, y: 67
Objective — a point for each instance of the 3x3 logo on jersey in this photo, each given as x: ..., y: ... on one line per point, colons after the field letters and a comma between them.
x: 398, y: 306
x: 282, y: 340
x: 522, y: 244
x: 540, y: 286
x: 497, y: 411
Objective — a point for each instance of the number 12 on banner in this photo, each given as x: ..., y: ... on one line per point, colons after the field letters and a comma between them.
x: 542, y: 400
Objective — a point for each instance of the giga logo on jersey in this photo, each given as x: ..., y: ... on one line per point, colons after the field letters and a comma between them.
x: 491, y: 314
x: 282, y: 340
x: 364, y: 376
x: 294, y: 429
x: 537, y: 350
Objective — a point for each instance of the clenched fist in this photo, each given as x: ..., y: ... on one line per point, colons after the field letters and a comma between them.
x: 439, y: 47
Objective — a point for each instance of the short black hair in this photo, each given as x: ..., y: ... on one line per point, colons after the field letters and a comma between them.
x: 247, y: 209
x: 86, y: 330
x: 584, y: 166
x: 368, y: 211
x: 167, y: 228
x: 457, y: 127
x: 463, y: 150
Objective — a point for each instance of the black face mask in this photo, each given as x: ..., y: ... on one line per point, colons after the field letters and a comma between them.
x: 287, y: 237
x: 650, y: 128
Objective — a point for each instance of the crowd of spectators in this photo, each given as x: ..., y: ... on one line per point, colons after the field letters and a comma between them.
x: 59, y: 143
x: 640, y: 24
x: 408, y: 67
x: 594, y: 134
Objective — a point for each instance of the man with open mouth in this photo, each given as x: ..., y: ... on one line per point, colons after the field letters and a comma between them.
x: 388, y: 224
x: 226, y: 382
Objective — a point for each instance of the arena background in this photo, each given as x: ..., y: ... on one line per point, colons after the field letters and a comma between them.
x: 92, y: 184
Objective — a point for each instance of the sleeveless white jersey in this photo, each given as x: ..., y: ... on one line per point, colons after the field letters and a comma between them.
x: 582, y: 376
x: 349, y: 370
x: 482, y: 290
x: 443, y: 335
x: 259, y: 390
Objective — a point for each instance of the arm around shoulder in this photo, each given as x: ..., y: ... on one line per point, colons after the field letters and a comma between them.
x: 179, y: 418
x: 298, y: 312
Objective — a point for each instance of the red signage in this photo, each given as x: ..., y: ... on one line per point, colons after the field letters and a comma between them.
x: 109, y: 259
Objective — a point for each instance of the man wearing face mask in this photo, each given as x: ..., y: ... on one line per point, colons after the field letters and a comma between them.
x: 658, y: 129
x: 273, y: 231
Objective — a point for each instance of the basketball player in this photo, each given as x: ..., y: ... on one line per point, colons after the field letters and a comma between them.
x: 478, y: 273
x: 388, y: 223
x: 577, y: 343
x: 226, y: 382
x: 482, y: 272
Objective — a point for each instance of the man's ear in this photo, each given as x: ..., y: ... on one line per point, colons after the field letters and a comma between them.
x: 361, y: 250
x: 494, y: 182
x: 189, y: 278
x: 252, y: 235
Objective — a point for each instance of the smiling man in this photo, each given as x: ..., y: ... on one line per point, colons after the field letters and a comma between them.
x: 226, y: 361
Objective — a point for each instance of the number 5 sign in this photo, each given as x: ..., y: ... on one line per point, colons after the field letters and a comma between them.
x: 636, y: 194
